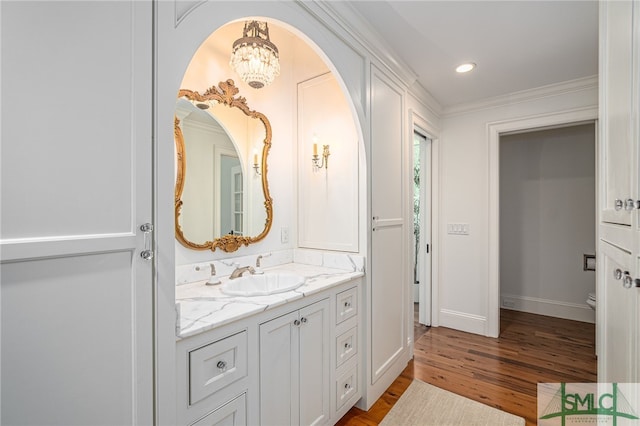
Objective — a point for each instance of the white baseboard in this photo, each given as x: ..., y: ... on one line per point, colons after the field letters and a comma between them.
x: 552, y: 308
x: 462, y: 321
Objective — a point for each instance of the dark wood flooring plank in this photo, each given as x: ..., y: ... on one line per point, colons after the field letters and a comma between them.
x: 503, y: 372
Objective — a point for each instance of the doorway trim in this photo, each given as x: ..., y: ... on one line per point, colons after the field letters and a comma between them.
x: 418, y: 123
x: 494, y: 131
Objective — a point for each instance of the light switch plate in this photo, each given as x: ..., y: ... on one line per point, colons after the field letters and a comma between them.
x: 458, y: 228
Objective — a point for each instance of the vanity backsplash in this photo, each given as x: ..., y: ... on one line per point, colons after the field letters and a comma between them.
x: 195, y: 272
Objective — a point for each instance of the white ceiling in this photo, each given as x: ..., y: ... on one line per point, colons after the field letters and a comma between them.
x: 517, y: 45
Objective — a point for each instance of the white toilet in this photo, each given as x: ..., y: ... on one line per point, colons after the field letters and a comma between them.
x: 591, y: 301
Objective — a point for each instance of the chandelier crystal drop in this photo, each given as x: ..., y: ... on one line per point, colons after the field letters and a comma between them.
x: 254, y: 57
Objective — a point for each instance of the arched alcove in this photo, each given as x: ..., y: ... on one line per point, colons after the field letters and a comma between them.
x: 306, y: 103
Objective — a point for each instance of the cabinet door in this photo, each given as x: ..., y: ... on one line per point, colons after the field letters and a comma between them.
x: 279, y: 371
x: 314, y: 364
x: 76, y: 184
x: 619, y: 360
x: 389, y: 245
x: 616, y: 148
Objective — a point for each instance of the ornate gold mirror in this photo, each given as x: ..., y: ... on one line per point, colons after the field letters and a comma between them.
x: 222, y: 193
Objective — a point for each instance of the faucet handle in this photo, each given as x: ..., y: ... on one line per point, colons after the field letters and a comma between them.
x: 258, y: 270
x: 213, y: 279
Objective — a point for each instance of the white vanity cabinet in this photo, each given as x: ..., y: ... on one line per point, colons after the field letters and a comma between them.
x: 294, y: 367
x: 297, y: 363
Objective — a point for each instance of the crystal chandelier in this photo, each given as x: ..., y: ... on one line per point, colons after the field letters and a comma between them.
x: 254, y: 57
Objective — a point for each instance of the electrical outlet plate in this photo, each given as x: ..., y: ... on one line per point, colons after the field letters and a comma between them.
x: 284, y: 235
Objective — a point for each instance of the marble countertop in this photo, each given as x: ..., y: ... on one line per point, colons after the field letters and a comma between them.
x: 202, y: 307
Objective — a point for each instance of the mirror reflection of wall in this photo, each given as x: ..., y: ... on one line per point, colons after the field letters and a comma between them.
x: 231, y: 196
x: 211, y: 189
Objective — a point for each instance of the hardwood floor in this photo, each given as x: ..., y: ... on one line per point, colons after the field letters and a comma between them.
x: 502, y: 372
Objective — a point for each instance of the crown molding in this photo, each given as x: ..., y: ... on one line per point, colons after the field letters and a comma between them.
x: 352, y: 23
x: 426, y: 99
x: 556, y: 89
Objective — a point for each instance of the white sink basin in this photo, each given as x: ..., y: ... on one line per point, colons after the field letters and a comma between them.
x: 262, y: 285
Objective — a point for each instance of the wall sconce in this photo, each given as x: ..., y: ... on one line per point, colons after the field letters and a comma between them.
x: 256, y: 166
x: 317, y: 162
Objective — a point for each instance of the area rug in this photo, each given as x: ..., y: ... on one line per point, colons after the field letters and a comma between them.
x: 425, y: 405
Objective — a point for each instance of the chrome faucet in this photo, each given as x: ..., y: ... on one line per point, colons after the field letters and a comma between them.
x: 241, y: 270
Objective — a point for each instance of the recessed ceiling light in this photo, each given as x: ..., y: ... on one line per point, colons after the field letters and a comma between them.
x: 465, y: 67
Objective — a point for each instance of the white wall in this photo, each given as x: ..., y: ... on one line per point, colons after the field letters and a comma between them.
x: 465, y: 194
x: 328, y: 213
x: 547, y: 216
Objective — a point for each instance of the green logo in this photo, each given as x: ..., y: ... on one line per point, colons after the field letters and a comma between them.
x: 595, y: 405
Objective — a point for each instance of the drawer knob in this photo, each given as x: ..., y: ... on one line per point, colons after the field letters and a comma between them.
x: 221, y: 365
x: 347, y: 386
x: 347, y: 345
x: 347, y: 304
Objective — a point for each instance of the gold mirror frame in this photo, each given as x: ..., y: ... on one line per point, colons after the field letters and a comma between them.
x: 225, y: 94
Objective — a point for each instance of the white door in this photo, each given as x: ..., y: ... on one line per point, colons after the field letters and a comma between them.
x: 422, y: 246
x: 389, y: 245
x: 618, y: 291
x: 76, y: 302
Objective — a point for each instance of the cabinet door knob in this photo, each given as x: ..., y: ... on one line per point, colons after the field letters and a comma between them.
x: 303, y: 320
x: 221, y: 365
x: 146, y: 254
x: 630, y: 204
x: 296, y: 323
x: 618, y: 204
x: 627, y: 282
x: 617, y: 274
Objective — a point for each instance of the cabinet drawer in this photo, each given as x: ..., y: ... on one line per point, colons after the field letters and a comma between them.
x: 217, y: 365
x: 346, y: 304
x: 346, y: 386
x: 233, y: 413
x: 346, y: 346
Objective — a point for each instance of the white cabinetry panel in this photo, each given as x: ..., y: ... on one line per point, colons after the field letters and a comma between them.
x: 389, y: 285
x: 68, y: 342
x: 77, y: 317
x: 616, y: 106
x: 619, y: 358
x: 294, y: 367
x: 618, y: 306
x: 73, y: 116
x: 279, y: 366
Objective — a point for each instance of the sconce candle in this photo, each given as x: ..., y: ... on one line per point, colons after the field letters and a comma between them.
x: 256, y: 166
x: 317, y: 163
